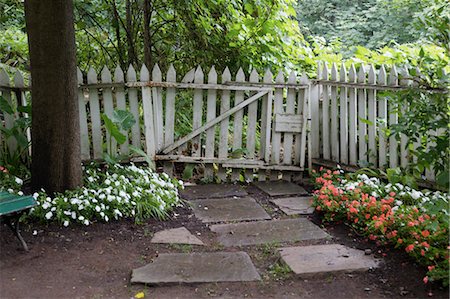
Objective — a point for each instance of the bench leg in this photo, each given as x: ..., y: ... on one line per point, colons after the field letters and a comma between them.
x: 15, y: 229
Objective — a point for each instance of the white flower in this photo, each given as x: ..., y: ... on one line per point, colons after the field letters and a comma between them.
x: 97, y: 208
x: 90, y: 179
x: 86, y: 222
x: 35, y: 232
x: 117, y: 184
x: 66, y: 223
x: 49, y: 215
x: 46, y: 205
x: 81, y: 218
x: 53, y: 209
x: 20, y: 193
x: 106, y: 218
x: 18, y: 181
x: 107, y: 182
x: 74, y: 215
x: 416, y: 194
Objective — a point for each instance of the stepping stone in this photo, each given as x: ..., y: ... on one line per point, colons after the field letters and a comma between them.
x: 228, y: 209
x: 277, y: 188
x: 326, y: 258
x: 197, y: 267
x: 176, y: 236
x: 212, y: 191
x: 294, y: 205
x: 263, y: 232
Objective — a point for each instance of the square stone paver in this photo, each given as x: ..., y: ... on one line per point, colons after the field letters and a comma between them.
x: 277, y: 188
x: 228, y: 209
x: 294, y: 205
x: 263, y: 232
x: 212, y: 191
x: 197, y: 267
x: 178, y: 235
x: 326, y: 258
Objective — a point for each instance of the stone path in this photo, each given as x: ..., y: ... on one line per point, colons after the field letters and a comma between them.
x: 246, y: 223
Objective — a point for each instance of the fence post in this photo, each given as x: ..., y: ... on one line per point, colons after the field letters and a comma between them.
x: 149, y: 130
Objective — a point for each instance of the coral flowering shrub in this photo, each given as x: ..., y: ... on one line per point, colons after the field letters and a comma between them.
x: 413, y: 220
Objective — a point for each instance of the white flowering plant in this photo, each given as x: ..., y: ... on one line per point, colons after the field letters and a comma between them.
x: 112, y: 193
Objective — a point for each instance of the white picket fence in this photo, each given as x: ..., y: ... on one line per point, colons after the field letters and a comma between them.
x: 259, y: 124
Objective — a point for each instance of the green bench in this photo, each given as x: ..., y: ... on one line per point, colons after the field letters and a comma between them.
x: 12, y: 206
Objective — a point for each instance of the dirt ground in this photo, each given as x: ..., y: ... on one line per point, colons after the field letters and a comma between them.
x: 96, y: 262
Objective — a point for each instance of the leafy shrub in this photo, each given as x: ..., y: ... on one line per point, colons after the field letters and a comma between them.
x: 117, y: 192
x: 415, y: 220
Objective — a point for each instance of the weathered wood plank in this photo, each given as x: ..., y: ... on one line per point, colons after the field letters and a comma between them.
x: 223, y: 141
x: 149, y: 129
x: 251, y: 127
x: 288, y: 123
x: 169, y: 123
x: 94, y: 105
x: 121, y: 104
x: 237, y: 122
x: 382, y: 116
x: 84, y: 134
x: 343, y: 117
x: 362, y: 116
x: 306, y: 113
x: 9, y: 119
x: 210, y: 115
x: 111, y: 144
x: 266, y: 120
x: 197, y: 113
x: 134, y: 108
x: 314, y: 96
x: 22, y: 100
x: 158, y: 108
x: 352, y: 120
x: 294, y: 122
x: 404, y: 141
x: 334, y: 117
x: 393, y: 119
x: 371, y: 114
x: 277, y: 108
x: 326, y: 116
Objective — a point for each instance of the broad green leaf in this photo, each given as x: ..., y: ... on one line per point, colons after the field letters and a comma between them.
x: 124, y: 119
x: 113, y: 129
x: 5, y: 106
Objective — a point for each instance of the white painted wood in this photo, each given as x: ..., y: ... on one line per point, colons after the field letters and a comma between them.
x: 362, y: 116
x: 418, y: 142
x: 158, y: 108
x: 121, y: 104
x: 382, y: 116
x: 371, y: 115
x: 266, y: 119
x: 306, y: 113
x: 293, y: 123
x: 314, y: 96
x: 9, y: 119
x: 223, y: 139
x: 251, y: 128
x: 352, y: 119
x: 198, y: 113
x: 149, y: 129
x: 277, y: 108
x: 404, y: 141
x: 288, y: 123
x: 326, y: 116
x: 169, y: 121
x: 210, y: 115
x: 108, y: 109
x: 343, y: 117
x: 237, y: 122
x: 94, y: 105
x: 334, y: 117
x: 22, y: 100
x: 300, y: 109
x: 84, y: 133
x: 134, y: 108
x: 393, y: 119
x: 217, y: 120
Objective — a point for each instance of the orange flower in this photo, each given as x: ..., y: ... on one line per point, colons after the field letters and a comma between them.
x: 400, y: 241
x: 431, y: 268
x: 425, y: 279
x: 425, y: 233
x: 409, y: 248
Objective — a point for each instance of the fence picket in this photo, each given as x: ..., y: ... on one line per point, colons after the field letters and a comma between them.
x: 315, y: 122
x: 334, y: 117
x: 266, y: 119
x: 134, y: 108
x: 22, y: 100
x: 343, y: 117
x: 404, y: 152
x: 198, y: 113
x: 352, y: 118
x: 326, y: 115
x: 290, y: 109
x: 305, y: 111
x: 276, y: 136
x: 251, y: 127
x: 382, y: 116
x: 393, y: 119
x: 169, y: 122
x: 371, y: 114
x: 158, y: 108
x: 94, y: 105
x: 9, y: 119
x: 210, y: 115
x: 237, y: 122
x: 223, y: 141
x: 111, y: 143
x: 362, y: 116
x: 121, y: 104
x: 149, y: 129
x: 84, y: 138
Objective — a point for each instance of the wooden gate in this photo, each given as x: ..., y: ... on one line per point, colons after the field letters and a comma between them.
x: 259, y: 127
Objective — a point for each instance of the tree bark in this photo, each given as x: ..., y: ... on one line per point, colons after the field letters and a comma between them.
x: 56, y: 158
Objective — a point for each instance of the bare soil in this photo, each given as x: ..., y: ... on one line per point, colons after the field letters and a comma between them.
x: 96, y: 262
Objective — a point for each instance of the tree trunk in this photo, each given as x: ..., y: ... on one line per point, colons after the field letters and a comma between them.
x: 56, y: 158
x: 147, y: 38
x: 129, y: 30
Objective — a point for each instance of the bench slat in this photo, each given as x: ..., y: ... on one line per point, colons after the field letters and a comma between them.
x: 11, y: 203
